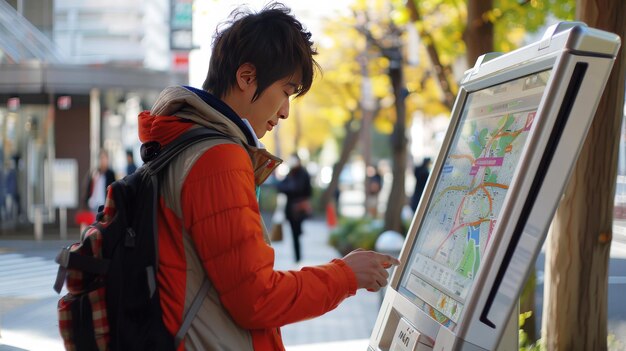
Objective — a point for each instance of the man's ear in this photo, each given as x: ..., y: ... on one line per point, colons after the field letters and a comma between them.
x: 246, y: 76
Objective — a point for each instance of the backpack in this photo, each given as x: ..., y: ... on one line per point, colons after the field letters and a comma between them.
x: 113, y: 301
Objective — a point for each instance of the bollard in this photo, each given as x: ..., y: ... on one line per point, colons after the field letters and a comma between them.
x: 63, y: 222
x: 38, y: 223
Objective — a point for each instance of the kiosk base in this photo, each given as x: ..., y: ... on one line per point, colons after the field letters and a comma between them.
x: 407, y: 338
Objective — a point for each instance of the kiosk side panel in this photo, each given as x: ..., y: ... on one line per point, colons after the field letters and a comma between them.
x: 516, y: 257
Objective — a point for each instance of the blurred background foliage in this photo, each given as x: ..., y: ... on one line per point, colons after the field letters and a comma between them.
x: 337, y: 90
x: 434, y: 38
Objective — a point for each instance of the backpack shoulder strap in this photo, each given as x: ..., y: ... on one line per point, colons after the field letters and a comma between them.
x: 153, y: 168
x: 191, y: 313
x: 185, y: 140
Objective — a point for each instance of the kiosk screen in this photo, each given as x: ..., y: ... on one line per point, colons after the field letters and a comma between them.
x: 469, y: 192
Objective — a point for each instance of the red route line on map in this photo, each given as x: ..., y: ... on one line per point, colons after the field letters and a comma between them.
x: 482, y: 186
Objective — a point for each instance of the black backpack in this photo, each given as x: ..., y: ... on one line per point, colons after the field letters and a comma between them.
x: 113, y: 301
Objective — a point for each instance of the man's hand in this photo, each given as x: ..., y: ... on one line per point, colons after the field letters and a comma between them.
x: 370, y: 268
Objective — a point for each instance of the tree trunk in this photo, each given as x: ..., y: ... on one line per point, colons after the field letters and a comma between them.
x: 366, y: 152
x: 397, y: 196
x: 577, y: 256
x: 349, y: 143
x: 478, y: 35
x: 367, y: 116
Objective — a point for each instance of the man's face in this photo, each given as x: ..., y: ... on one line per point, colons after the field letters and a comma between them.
x: 272, y: 105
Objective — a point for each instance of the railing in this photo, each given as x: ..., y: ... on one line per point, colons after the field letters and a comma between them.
x: 20, y: 40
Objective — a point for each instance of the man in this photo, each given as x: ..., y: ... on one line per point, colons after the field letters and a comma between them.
x: 208, y: 219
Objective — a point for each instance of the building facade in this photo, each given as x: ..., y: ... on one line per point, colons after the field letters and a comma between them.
x: 73, y: 77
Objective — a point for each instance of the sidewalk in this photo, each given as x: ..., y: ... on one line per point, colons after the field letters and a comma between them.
x: 29, y: 323
x: 353, y: 320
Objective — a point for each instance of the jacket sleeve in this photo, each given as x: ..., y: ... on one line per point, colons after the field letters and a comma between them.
x: 221, y: 213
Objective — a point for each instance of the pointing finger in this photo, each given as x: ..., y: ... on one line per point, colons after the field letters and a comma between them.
x: 388, y: 261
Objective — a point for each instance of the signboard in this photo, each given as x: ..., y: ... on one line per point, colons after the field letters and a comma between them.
x: 65, y: 183
x: 13, y: 104
x: 64, y: 102
x: 181, y: 24
x: 180, y: 61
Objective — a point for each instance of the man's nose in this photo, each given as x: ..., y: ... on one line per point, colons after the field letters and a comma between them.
x: 283, y: 112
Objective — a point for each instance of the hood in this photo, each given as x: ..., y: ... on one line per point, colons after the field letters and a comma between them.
x: 180, y: 108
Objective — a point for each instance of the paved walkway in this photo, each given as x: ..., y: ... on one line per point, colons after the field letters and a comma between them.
x: 28, y: 303
x: 353, y: 319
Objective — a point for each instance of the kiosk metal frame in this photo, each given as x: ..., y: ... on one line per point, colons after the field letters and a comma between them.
x: 578, y: 60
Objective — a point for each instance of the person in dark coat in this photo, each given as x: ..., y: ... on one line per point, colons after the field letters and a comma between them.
x: 131, y: 167
x: 297, y: 187
x: 421, y: 176
x: 374, y: 184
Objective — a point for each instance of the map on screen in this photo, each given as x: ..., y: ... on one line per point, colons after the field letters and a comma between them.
x: 469, y: 192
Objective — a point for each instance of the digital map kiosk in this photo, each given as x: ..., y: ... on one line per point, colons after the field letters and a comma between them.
x: 518, y: 124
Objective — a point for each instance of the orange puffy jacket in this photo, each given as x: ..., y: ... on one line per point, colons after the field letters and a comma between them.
x: 209, y: 225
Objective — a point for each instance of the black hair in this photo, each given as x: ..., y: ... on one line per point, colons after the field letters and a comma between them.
x: 272, y: 40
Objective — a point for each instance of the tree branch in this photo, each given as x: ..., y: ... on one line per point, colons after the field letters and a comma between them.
x: 442, y: 71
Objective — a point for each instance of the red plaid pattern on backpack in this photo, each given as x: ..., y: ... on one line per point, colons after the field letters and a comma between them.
x: 79, y: 283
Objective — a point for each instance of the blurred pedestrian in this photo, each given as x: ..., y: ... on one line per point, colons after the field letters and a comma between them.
x: 3, y: 188
x: 374, y: 182
x: 421, y: 173
x: 297, y: 187
x: 130, y: 162
x: 98, y: 181
x: 13, y: 195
